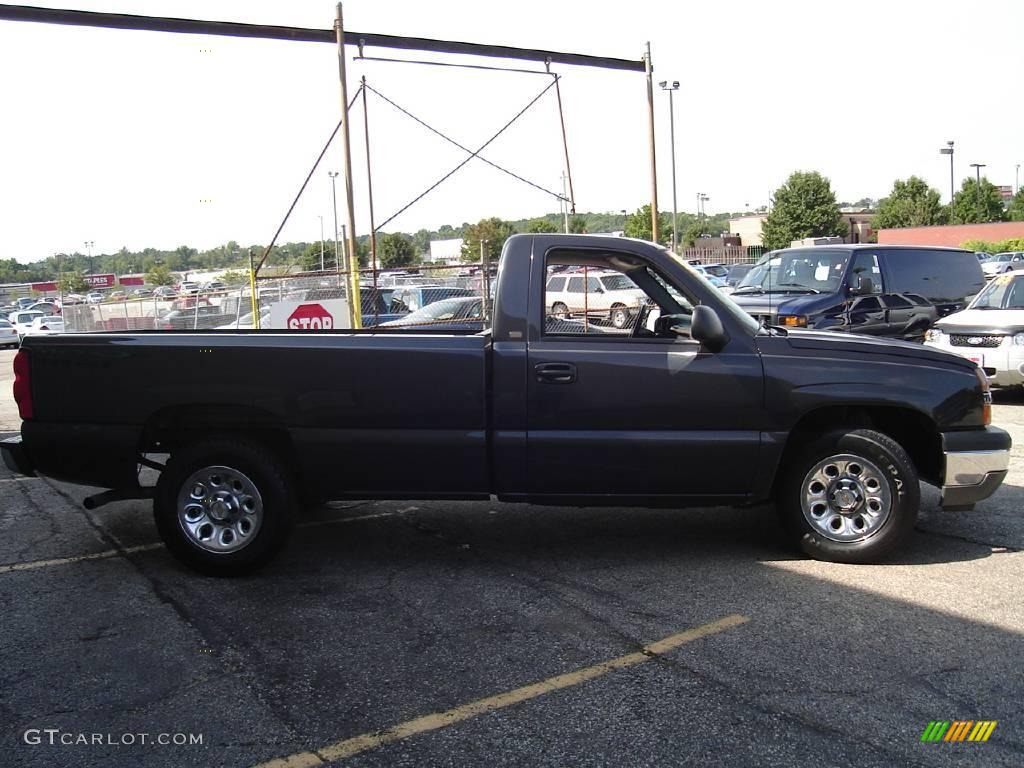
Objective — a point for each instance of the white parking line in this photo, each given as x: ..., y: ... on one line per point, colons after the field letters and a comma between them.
x: 19, y: 479
x: 108, y: 553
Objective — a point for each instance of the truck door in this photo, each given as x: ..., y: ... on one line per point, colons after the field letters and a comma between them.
x: 622, y: 414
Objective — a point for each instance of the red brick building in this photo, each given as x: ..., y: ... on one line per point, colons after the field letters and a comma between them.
x: 953, y: 235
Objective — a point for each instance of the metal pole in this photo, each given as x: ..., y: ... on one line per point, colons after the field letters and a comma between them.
x: 369, y: 186
x: 649, y: 69
x: 565, y: 143
x: 254, y: 299
x: 565, y: 206
x: 334, y: 205
x: 952, y: 183
x: 1016, y: 179
x: 354, y: 308
x: 485, y: 262
x: 672, y: 133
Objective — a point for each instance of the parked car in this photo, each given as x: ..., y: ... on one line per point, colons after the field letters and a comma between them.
x: 707, y: 409
x: 94, y: 297
x: 214, y: 285
x: 202, y: 317
x: 983, y: 256
x: 22, y: 321
x: 8, y: 334
x: 188, y: 286
x: 74, y: 298
x: 881, y: 290
x: 594, y: 293
x: 736, y: 273
x: 1001, y: 263
x: 47, y: 307
x: 712, y: 278
x: 117, y: 296
x: 165, y: 292
x: 990, y: 332
x: 24, y: 302
x: 141, y: 293
x: 45, y: 325
x: 717, y: 270
x: 410, y: 298
x: 460, y: 314
x: 244, y: 322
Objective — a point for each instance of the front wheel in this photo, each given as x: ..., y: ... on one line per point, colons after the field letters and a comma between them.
x: 852, y: 496
x: 619, y: 316
x: 224, y: 507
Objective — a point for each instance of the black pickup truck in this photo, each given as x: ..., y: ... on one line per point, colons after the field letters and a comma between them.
x: 692, y: 403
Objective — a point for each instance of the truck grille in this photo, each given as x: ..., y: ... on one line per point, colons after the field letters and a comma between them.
x: 961, y: 340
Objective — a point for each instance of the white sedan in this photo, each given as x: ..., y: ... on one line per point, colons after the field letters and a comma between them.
x: 8, y: 334
x: 990, y: 331
x: 46, y: 325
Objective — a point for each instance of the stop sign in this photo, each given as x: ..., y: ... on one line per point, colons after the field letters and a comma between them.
x: 310, y: 317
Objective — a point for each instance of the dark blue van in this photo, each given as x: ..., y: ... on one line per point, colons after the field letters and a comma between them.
x: 883, y: 290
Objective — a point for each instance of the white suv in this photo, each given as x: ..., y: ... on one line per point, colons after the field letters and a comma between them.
x: 607, y: 294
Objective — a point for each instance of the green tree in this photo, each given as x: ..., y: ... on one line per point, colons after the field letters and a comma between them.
x: 693, y: 230
x: 541, y: 226
x: 578, y: 225
x: 638, y: 225
x: 72, y: 282
x: 395, y: 249
x: 159, y: 274
x: 494, y: 230
x: 804, y: 206
x: 234, y: 277
x: 974, y: 204
x: 310, y: 258
x: 912, y: 203
x: 1016, y: 210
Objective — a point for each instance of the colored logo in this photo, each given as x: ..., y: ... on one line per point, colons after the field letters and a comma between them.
x: 959, y: 730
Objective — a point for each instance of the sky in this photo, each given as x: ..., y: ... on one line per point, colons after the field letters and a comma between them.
x: 136, y: 139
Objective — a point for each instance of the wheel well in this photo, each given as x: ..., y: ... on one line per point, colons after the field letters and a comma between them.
x: 171, y: 428
x: 913, y: 430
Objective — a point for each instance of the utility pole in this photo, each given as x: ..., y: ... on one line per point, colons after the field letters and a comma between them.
x: 354, y: 308
x: 649, y: 68
x: 565, y: 204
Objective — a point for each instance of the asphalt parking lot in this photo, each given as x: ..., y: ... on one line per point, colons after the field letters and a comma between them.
x: 476, y: 634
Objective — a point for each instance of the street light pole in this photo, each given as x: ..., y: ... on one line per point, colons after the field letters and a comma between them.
x: 334, y: 203
x: 977, y: 186
x: 1016, y: 178
x: 88, y: 248
x: 674, y: 86
x: 948, y: 150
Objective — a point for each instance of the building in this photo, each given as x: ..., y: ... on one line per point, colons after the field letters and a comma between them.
x: 952, y: 235
x: 445, y: 251
x: 749, y: 227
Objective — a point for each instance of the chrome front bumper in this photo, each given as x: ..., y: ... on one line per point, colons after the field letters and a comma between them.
x: 976, y: 463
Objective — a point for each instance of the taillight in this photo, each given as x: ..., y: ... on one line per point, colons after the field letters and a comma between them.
x: 986, y: 396
x: 23, y: 384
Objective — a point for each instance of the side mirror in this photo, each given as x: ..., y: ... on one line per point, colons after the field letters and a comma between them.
x: 667, y: 326
x: 707, y: 328
x: 862, y: 286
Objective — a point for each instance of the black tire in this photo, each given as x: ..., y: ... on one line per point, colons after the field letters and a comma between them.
x: 886, y: 474
x: 560, y: 311
x: 619, y: 316
x: 251, y: 462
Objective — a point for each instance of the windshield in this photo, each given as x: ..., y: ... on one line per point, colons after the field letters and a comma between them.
x: 806, y: 269
x: 1005, y: 292
x: 1002, y: 257
x: 449, y: 309
x: 618, y: 283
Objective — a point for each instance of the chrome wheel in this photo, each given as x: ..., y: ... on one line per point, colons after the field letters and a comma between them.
x: 560, y: 311
x: 846, y: 498
x: 219, y: 509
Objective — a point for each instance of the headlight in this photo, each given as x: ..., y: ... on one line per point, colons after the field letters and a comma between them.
x: 934, y: 334
x: 793, y: 321
x: 1018, y: 339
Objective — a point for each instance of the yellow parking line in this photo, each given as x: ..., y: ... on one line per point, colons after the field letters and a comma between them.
x: 357, y: 744
x: 77, y: 558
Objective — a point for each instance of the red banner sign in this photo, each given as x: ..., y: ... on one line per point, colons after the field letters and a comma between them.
x: 100, y: 281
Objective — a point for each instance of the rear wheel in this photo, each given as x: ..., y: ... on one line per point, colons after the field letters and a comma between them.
x: 560, y: 311
x: 850, y: 497
x: 619, y: 316
x: 224, y: 507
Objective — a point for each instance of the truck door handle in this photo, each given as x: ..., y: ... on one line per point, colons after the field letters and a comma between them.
x: 556, y: 373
